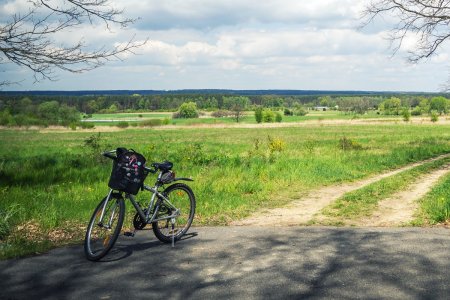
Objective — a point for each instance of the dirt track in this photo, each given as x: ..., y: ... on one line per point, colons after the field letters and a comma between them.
x: 394, y: 211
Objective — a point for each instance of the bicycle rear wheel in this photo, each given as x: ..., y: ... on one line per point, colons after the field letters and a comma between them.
x: 182, y: 197
x: 101, y: 234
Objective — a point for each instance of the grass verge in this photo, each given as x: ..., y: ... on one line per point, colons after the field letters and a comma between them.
x: 435, y: 206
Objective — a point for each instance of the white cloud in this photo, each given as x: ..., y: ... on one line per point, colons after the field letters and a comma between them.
x: 247, y: 44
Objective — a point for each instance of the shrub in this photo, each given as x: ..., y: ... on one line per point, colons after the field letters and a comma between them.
x: 275, y: 144
x: 268, y: 116
x: 300, y: 111
x: 93, y: 146
x: 288, y: 112
x: 187, y: 110
x: 434, y: 116
x: 259, y: 114
x: 278, y: 117
x: 5, y: 118
x: 347, y: 144
x: 123, y: 124
x: 266, y: 151
x: 406, y: 114
x: 417, y: 111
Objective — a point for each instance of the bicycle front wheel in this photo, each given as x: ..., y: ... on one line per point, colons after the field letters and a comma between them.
x: 102, y: 233
x: 182, y: 197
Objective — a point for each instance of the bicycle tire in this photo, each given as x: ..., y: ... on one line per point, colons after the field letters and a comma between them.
x: 182, y: 197
x: 99, y: 240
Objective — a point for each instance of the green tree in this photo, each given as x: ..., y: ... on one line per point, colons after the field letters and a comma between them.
x: 91, y: 107
x: 259, y: 114
x: 113, y: 108
x: 325, y: 101
x: 188, y: 110
x: 236, y: 104
x: 68, y: 115
x: 424, y: 105
x: 439, y: 104
x: 391, y: 106
x: 49, y: 111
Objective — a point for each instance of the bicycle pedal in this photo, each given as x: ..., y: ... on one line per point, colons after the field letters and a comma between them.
x: 129, y: 234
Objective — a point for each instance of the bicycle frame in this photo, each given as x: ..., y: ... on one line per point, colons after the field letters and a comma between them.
x: 146, y: 216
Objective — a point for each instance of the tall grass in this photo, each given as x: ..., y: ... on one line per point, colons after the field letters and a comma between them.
x: 53, y: 179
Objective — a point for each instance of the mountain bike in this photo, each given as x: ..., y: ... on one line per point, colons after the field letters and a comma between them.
x: 170, y: 211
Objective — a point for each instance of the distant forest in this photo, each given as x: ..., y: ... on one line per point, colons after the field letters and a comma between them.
x: 53, y: 108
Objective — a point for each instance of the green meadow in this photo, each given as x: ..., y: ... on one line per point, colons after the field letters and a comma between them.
x: 139, y: 119
x: 50, y: 182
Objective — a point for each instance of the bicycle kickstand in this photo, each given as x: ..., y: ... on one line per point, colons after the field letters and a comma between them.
x: 173, y: 231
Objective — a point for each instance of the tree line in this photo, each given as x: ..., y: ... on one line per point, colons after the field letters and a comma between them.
x: 65, y: 110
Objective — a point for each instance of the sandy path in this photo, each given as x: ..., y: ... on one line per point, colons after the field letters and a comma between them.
x: 300, y: 211
x: 400, y: 208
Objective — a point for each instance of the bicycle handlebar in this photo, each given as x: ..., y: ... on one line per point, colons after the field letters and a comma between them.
x: 153, y: 169
x: 109, y: 154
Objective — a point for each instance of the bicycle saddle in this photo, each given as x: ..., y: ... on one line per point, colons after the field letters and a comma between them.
x: 164, y: 166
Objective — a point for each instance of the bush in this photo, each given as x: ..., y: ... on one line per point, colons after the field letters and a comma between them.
x: 288, y: 112
x: 268, y: 116
x: 300, y: 112
x: 278, y: 117
x: 187, y: 110
x: 434, y: 116
x: 258, y: 114
x: 417, y: 111
x: 406, y: 114
x: 123, y: 124
x: 73, y: 126
x: 347, y: 144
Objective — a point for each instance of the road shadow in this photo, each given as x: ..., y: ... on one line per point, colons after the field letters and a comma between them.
x: 242, y: 262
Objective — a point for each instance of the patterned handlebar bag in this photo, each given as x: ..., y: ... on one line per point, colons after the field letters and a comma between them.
x: 128, y: 173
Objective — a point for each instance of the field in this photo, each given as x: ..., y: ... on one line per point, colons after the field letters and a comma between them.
x: 206, y: 118
x: 50, y: 181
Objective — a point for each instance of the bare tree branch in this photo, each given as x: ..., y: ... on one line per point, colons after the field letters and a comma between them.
x: 27, y: 39
x: 428, y: 20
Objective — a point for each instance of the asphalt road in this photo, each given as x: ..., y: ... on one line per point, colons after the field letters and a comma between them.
x: 245, y: 263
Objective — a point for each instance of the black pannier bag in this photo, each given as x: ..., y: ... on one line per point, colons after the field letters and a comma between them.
x: 128, y: 173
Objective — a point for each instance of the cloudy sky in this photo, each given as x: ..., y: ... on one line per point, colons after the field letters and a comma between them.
x: 243, y: 44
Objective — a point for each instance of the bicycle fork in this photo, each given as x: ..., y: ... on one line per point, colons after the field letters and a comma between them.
x: 100, y: 223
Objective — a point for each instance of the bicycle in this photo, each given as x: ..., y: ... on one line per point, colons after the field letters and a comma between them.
x: 170, y: 212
